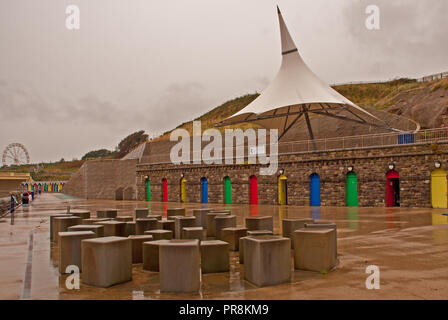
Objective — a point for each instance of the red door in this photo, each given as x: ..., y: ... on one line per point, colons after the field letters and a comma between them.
x: 253, y: 190
x: 164, y: 190
x: 392, y: 188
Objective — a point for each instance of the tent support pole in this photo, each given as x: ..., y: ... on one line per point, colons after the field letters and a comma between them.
x: 308, y: 123
x: 354, y: 120
x: 290, y: 126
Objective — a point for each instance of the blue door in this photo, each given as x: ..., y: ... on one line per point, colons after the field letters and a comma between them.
x: 315, y: 190
x: 204, y: 190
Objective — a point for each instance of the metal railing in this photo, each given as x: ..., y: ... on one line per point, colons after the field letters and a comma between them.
x: 433, y: 77
x: 327, y: 144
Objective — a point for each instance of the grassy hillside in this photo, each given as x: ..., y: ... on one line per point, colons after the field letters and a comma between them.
x: 48, y: 171
x: 216, y: 115
x: 377, y: 95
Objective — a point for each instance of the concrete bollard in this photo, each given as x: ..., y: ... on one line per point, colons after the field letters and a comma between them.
x: 107, y: 213
x: 201, y: 217
x: 137, y: 246
x: 51, y: 222
x: 97, y: 229
x: 232, y: 237
x: 70, y: 248
x: 210, y: 222
x: 214, y: 256
x: 106, y: 261
x: 93, y: 220
x: 175, y: 212
x: 113, y: 228
x: 61, y: 224
x: 260, y: 223
x: 160, y: 234
x: 130, y: 229
x: 124, y: 219
x: 251, y: 234
x: 180, y: 264
x: 193, y: 233
x: 151, y: 255
x: 145, y: 224
x: 166, y: 225
x: 182, y: 222
x: 260, y: 233
x: 83, y: 214
x: 291, y: 225
x: 267, y: 260
x: 141, y: 213
x: 314, y: 249
x: 325, y: 226
x: 222, y: 222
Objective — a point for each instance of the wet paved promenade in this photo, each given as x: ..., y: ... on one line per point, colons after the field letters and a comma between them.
x: 409, y: 245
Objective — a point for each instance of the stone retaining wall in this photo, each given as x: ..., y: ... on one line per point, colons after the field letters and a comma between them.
x: 414, y: 164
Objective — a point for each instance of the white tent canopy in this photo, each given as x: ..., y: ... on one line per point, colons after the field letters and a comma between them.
x: 297, y: 91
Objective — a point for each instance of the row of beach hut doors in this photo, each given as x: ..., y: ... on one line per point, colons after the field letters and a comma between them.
x: 439, y: 198
x: 439, y: 188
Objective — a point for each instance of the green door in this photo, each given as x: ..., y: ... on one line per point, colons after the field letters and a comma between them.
x: 352, y: 190
x: 148, y: 190
x: 227, y: 191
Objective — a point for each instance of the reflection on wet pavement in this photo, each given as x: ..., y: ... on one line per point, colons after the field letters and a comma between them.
x: 409, y: 245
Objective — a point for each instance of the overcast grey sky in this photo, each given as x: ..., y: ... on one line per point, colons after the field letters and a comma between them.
x: 151, y: 65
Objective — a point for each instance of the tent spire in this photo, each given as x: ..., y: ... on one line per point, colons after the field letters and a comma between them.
x: 288, y: 45
x: 296, y: 91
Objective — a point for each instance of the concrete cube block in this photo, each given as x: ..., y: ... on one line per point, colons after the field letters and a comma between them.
x: 267, y: 260
x: 220, y: 211
x: 151, y: 255
x: 141, y: 213
x: 113, y: 228
x: 210, y: 222
x: 251, y: 234
x: 193, y: 233
x: 70, y: 248
x: 232, y: 237
x: 222, y: 222
x: 166, y: 225
x: 201, y: 217
x: 137, y: 246
x: 175, y: 212
x: 214, y: 256
x: 97, y: 229
x: 145, y: 224
x: 107, y: 213
x: 314, y: 249
x: 322, y: 225
x: 61, y: 224
x: 291, y: 225
x: 130, y: 229
x: 106, y: 261
x: 160, y: 234
x: 93, y: 220
x: 51, y: 221
x: 182, y: 222
x: 260, y: 223
x: 124, y: 219
x: 260, y: 233
x: 83, y: 214
x: 180, y: 266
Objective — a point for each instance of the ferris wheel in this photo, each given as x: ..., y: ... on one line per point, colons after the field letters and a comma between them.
x: 15, y: 154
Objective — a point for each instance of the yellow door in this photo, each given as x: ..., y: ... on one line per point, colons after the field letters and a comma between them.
x: 183, y: 190
x: 439, y: 189
x: 282, y: 200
